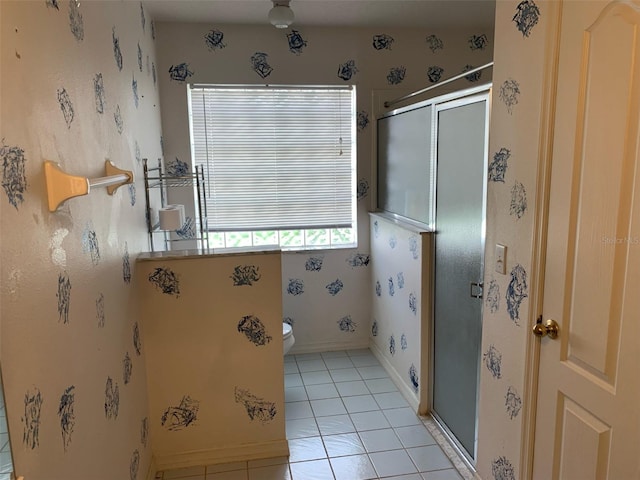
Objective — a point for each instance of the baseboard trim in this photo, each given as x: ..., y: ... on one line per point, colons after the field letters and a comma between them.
x: 406, y: 392
x: 328, y: 346
x: 236, y: 453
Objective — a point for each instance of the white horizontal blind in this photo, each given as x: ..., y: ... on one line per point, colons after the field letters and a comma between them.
x: 275, y: 158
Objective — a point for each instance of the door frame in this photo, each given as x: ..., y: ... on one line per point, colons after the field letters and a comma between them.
x: 540, y: 229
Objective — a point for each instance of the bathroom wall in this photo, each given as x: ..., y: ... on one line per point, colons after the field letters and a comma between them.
x: 513, y: 158
x: 77, y: 88
x: 212, y: 329
x: 383, y: 63
x: 402, y: 303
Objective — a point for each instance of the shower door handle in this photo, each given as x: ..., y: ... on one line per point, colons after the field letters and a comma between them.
x: 475, y: 289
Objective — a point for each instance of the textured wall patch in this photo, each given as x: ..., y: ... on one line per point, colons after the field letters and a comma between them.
x: 363, y: 120
x: 31, y: 419
x: 296, y: 42
x: 75, y: 20
x: 137, y: 343
x: 295, y: 287
x: 90, y: 244
x: 335, y: 287
x: 347, y: 70
x: 478, y: 42
x: 67, y: 415
x: 493, y: 361
x: 413, y: 303
x: 359, y: 260
x: 512, y: 402
x: 396, y: 75
x: 502, y: 469
x: 180, y: 72
x: 131, y: 190
x: 400, y: 279
x: 378, y: 288
x: 188, y: 229
x: 117, y: 118
x: 144, y: 431
x: 134, y: 466
x: 472, y: 77
x: 100, y: 315
x: 403, y: 342
x: 126, y: 265
x: 66, y: 106
x: 392, y: 288
x: 314, y: 264
x: 393, y: 241
x: 493, y: 296
x: 214, y: 40
x: 435, y: 43
x: 517, y: 291
x: 434, y: 73
x: 346, y: 324
x: 392, y: 345
x: 260, y: 64
x: 518, y: 205
x: 382, y: 41
x: 14, y: 176
x: 139, y: 57
x: 117, y: 53
x: 254, y: 330
x: 177, y: 168
x: 127, y: 368
x: 64, y: 297
x: 498, y: 166
x: 414, y: 247
x: 245, y: 275
x: 374, y: 328
x: 413, y: 377
x: 134, y: 90
x: 165, y: 281
x: 257, y: 408
x: 509, y: 94
x: 363, y: 188
x: 98, y: 92
x: 111, y: 399
x: 526, y: 16
x: 181, y: 416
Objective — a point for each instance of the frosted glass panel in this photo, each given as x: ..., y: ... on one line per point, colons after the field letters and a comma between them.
x: 459, y: 245
x: 404, y: 165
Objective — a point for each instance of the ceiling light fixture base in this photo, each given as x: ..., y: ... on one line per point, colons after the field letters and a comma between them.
x: 281, y: 15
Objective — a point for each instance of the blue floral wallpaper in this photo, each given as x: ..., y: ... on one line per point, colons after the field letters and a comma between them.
x: 513, y: 158
x: 401, y: 311
x: 326, y: 295
x: 72, y: 350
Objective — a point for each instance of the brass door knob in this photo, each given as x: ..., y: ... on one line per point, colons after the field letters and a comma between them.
x: 549, y: 328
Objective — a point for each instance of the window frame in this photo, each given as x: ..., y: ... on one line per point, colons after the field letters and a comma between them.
x: 335, y: 234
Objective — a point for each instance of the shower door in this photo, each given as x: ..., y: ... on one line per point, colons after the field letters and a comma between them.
x: 462, y: 131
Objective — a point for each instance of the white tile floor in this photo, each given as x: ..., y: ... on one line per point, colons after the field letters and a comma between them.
x: 345, y: 420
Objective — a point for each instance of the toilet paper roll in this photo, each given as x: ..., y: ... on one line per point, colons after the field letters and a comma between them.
x: 171, y: 218
x: 182, y: 214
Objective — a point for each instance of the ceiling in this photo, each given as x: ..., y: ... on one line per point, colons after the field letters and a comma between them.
x: 336, y: 13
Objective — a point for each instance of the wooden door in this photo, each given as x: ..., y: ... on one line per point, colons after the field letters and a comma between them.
x: 588, y: 405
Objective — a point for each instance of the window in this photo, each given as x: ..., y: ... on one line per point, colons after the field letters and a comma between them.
x: 279, y: 164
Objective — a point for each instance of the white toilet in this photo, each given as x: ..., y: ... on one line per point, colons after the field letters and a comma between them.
x: 287, y: 337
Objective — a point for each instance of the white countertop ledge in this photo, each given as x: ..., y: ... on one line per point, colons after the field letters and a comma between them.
x: 205, y: 253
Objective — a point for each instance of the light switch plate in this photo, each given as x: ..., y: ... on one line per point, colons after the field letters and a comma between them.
x: 501, y: 259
